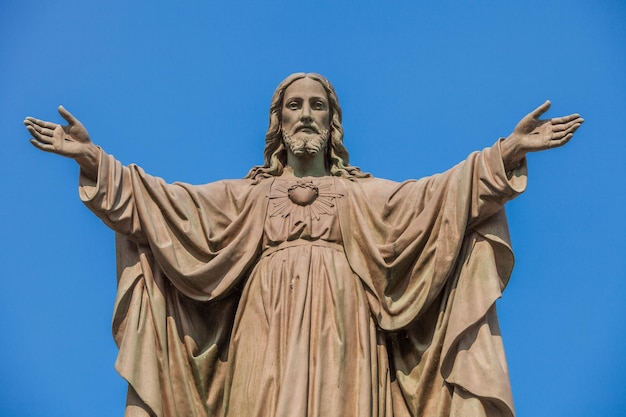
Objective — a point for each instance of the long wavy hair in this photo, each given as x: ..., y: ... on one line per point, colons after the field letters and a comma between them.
x: 336, y: 155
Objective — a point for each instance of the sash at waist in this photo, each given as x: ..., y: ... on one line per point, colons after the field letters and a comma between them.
x: 302, y: 242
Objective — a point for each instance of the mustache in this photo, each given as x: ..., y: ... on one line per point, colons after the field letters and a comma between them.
x: 313, y: 127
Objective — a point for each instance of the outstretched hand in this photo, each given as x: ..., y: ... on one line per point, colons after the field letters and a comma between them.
x: 71, y: 140
x: 533, y: 134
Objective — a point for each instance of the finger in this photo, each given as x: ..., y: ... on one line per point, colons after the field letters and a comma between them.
x: 562, y: 141
x: 541, y: 109
x: 39, y: 136
x: 565, y: 119
x: 569, y: 131
x: 67, y: 116
x: 41, y: 123
x: 41, y: 130
x: 565, y: 126
x: 43, y: 146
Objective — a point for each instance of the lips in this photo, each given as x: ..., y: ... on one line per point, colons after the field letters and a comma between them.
x: 308, y: 128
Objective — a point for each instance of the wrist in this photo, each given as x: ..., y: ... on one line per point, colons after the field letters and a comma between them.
x: 89, y: 161
x: 512, y: 152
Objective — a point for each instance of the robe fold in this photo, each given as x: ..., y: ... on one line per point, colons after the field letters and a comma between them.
x: 417, y: 266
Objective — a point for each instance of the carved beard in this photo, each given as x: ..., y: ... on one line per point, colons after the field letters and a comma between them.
x: 301, y: 143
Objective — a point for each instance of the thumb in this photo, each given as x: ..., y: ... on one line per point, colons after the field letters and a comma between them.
x: 67, y: 116
x: 541, y: 109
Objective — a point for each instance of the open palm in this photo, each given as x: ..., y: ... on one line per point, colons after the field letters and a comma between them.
x: 70, y: 140
x: 533, y: 134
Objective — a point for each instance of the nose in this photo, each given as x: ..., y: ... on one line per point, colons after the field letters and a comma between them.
x: 306, y: 115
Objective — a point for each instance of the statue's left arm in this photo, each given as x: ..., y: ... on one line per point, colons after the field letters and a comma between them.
x: 428, y: 220
x: 501, y: 175
x: 533, y: 134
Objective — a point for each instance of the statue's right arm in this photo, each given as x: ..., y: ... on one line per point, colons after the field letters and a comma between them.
x: 71, y: 141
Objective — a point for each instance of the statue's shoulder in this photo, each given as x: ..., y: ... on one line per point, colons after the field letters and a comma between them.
x: 376, y: 191
x: 369, y: 191
x: 237, y: 189
x: 369, y: 184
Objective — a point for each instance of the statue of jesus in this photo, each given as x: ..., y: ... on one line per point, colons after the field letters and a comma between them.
x: 310, y: 288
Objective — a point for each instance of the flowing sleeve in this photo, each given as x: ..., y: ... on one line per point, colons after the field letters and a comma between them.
x: 182, y: 252
x: 199, y: 235
x: 434, y: 255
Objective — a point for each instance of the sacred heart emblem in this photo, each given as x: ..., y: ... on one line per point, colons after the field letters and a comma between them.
x: 303, y: 193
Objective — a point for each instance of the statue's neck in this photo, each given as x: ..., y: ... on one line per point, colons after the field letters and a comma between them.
x: 305, y: 165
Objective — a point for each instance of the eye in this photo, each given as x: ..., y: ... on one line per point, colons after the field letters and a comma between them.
x: 293, y: 105
x: 319, y: 105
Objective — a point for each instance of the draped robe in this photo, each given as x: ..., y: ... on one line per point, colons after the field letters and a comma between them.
x: 427, y: 259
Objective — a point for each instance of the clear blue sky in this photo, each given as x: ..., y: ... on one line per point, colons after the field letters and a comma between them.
x: 183, y: 89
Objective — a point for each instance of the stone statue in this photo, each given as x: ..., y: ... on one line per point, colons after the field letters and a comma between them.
x: 310, y: 288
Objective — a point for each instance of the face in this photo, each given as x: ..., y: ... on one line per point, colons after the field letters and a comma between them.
x: 305, y: 117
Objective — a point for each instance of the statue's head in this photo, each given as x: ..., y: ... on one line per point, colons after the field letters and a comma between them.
x: 336, y: 155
